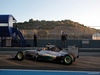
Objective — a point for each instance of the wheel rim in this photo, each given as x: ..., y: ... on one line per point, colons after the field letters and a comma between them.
x: 19, y: 55
x: 67, y: 59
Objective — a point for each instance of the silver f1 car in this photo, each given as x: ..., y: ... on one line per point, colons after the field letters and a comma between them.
x: 50, y: 53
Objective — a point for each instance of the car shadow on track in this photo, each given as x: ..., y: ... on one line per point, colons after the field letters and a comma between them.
x: 38, y: 61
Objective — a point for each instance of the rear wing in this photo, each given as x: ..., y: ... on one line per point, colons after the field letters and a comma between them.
x: 73, y: 51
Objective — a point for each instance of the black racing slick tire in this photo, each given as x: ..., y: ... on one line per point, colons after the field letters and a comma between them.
x: 19, y: 56
x: 67, y: 60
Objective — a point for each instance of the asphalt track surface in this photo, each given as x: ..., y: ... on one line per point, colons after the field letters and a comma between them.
x: 86, y: 62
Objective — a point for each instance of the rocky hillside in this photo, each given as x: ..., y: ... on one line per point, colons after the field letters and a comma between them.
x: 54, y: 28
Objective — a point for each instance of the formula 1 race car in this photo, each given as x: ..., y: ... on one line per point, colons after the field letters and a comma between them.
x: 50, y: 53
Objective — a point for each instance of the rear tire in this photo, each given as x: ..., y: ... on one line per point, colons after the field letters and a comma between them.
x: 73, y: 59
x: 19, y: 56
x: 67, y: 60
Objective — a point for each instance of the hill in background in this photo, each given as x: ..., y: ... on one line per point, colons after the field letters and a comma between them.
x: 54, y: 28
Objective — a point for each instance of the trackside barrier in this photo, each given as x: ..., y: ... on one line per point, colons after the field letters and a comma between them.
x: 45, y: 72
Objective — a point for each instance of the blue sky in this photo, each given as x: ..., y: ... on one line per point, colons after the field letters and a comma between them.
x: 85, y: 12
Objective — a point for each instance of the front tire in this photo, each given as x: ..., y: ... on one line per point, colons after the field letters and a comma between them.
x: 19, y: 56
x: 67, y: 60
